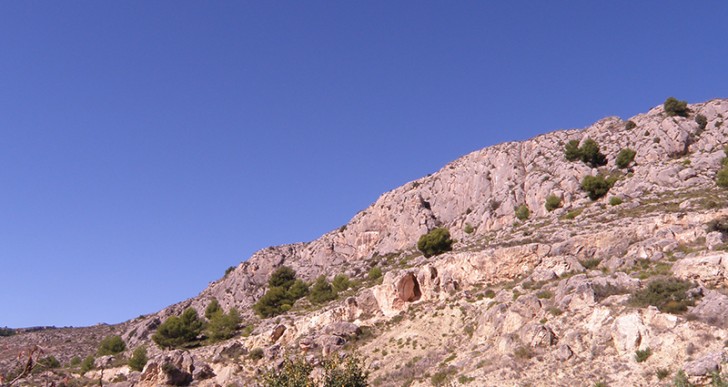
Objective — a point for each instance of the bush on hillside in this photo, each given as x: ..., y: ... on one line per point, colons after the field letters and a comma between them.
x: 596, y: 186
x: 6, y: 332
x: 625, y: 157
x: 702, y: 121
x: 179, y: 331
x: 629, y: 125
x: 212, y: 309
x: 321, y: 291
x: 522, y: 212
x: 552, y: 202
x: 673, y: 107
x: 588, y: 153
x: 721, y: 178
x: 572, y: 151
x: 375, y: 273
x: 284, y: 290
x: 669, y: 295
x: 435, y: 242
x: 111, y: 345
x: 87, y: 364
x: 138, y: 359
x: 223, y: 326
x: 337, y: 372
x: 341, y: 282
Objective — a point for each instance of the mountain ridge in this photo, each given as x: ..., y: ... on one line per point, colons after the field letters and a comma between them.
x: 517, y: 295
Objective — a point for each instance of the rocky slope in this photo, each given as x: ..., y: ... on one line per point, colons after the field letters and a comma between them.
x: 544, y: 301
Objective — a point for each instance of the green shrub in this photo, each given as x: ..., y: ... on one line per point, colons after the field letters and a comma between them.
x: 375, y: 273
x: 49, y: 362
x: 552, y: 202
x: 341, y: 282
x: 344, y: 373
x: 283, y: 291
x: 588, y: 152
x: 435, y: 242
x: 522, y: 212
x: 223, y: 326
x: 87, y: 364
x: 716, y: 380
x: 111, y: 345
x: 138, y: 359
x: 615, y: 200
x: 296, y: 372
x: 179, y: 331
x: 75, y: 361
x: 722, y: 177
x: 572, y: 151
x: 489, y: 293
x: 662, y: 373
x: 673, y: 107
x: 229, y: 270
x: 702, y: 121
x: 625, y: 157
x: 468, y: 228
x: 212, y: 309
x: 282, y: 277
x: 321, y: 291
x: 591, y: 155
x: 629, y: 125
x: 256, y: 353
x: 4, y: 332
x: 681, y: 380
x: 596, y: 186
x: 669, y: 295
x: 642, y: 355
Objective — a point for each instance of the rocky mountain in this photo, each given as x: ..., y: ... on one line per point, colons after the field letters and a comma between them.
x: 627, y: 289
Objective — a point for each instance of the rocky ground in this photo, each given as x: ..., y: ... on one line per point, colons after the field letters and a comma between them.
x: 544, y: 301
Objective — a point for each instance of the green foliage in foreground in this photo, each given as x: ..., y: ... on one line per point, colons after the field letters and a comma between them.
x: 337, y: 372
x: 435, y: 242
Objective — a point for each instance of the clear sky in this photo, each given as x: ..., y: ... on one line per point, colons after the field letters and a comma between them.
x: 146, y: 146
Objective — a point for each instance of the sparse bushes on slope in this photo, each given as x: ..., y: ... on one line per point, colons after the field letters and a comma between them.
x: 138, y: 359
x: 111, y: 345
x: 284, y: 290
x: 673, y: 107
x: 625, y: 157
x: 629, y: 125
x: 669, y: 295
x: 552, y: 202
x: 596, y: 186
x: 179, y: 331
x: 522, y: 212
x: 6, y: 332
x: 87, y: 364
x: 435, y: 242
x: 572, y: 151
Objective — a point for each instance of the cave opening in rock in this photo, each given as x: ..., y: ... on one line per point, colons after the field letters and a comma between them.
x: 408, y: 288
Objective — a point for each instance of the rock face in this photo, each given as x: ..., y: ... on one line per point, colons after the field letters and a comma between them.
x: 515, y: 298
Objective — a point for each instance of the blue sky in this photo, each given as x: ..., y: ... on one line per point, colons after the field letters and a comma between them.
x: 147, y: 146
